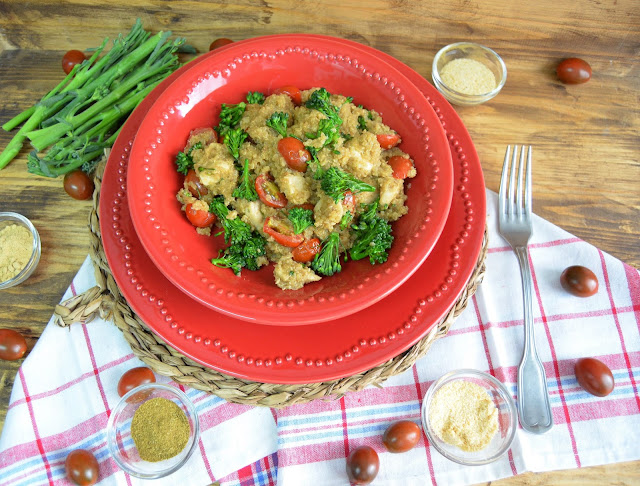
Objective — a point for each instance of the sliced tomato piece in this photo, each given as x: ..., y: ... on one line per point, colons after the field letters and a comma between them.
x: 205, y: 135
x: 292, y: 91
x: 401, y: 166
x: 306, y: 251
x: 294, y: 153
x: 199, y: 218
x: 349, y: 202
x: 269, y: 193
x: 308, y: 206
x: 281, y: 231
x: 196, y: 188
x: 388, y: 140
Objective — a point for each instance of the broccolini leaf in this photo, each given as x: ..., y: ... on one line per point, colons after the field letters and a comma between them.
x: 234, y: 139
x: 184, y: 161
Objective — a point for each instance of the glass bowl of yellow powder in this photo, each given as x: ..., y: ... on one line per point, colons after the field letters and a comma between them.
x: 152, y: 431
x: 19, y: 249
x: 469, y: 417
x: 467, y: 73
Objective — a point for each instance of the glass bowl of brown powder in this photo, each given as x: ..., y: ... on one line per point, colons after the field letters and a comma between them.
x: 469, y: 417
x: 19, y: 249
x: 152, y: 431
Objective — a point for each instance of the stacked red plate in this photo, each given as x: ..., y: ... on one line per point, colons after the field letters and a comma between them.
x: 246, y: 326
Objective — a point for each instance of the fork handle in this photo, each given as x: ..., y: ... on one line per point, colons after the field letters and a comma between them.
x: 533, y: 398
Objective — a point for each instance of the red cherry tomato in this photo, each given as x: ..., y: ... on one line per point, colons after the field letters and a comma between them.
x: 196, y: 188
x: 294, y: 153
x: 12, y: 345
x: 349, y: 202
x: 134, y: 378
x: 306, y: 251
x: 594, y: 376
x: 199, y: 218
x: 269, y: 193
x: 78, y: 184
x: 574, y: 71
x: 389, y: 140
x: 401, y: 436
x: 206, y: 135
x: 292, y: 91
x: 82, y: 467
x: 579, y: 281
x: 362, y: 465
x: 223, y: 41
x: 308, y: 206
x: 401, y: 166
x: 282, y: 231
x: 70, y: 59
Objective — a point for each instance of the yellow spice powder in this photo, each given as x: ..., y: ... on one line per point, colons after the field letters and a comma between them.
x: 463, y: 415
x: 468, y: 76
x: 16, y: 246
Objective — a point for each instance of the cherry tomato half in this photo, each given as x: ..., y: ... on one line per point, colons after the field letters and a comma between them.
x: 269, y: 193
x: 294, y: 153
x: 292, y: 91
x: 196, y: 188
x: 78, y: 185
x: 362, y: 465
x: 307, y: 250
x: 594, y: 376
x: 401, y: 436
x: 388, y: 140
x: 579, y: 281
x: 12, y: 345
x: 199, y: 218
x: 401, y: 166
x: 70, y: 59
x: 82, y: 467
x: 282, y: 231
x: 574, y: 71
x: 349, y: 202
x: 223, y: 41
x: 134, y: 378
x: 205, y: 135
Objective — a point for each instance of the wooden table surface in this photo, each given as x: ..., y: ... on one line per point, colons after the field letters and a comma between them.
x: 586, y: 137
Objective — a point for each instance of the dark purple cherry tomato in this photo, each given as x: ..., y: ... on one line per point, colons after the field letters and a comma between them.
x: 579, y: 281
x: 78, y: 184
x: 573, y: 71
x: 362, y: 465
x: 70, y: 59
x: 82, y: 467
x: 219, y: 43
x: 401, y: 436
x: 594, y: 376
x: 12, y: 345
x: 134, y: 378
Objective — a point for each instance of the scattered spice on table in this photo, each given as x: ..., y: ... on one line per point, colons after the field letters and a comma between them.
x: 463, y: 415
x: 16, y: 247
x: 159, y: 429
x: 468, y: 76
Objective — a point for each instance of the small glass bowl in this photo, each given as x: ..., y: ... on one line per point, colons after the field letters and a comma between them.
x: 507, y: 419
x: 468, y: 50
x: 121, y: 445
x: 7, y: 219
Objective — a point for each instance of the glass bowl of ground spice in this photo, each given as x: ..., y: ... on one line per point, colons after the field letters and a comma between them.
x: 19, y: 249
x: 153, y: 431
x: 467, y: 73
x: 469, y: 417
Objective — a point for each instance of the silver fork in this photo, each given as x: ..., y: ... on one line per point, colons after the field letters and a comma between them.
x: 516, y: 227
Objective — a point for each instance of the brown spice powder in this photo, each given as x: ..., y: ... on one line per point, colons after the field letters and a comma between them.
x: 159, y: 429
x: 463, y: 415
x: 16, y: 246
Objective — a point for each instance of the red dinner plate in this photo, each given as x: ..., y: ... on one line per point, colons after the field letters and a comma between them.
x: 193, y: 100
x: 301, y: 354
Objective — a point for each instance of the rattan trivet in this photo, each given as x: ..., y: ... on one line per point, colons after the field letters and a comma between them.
x: 106, y: 300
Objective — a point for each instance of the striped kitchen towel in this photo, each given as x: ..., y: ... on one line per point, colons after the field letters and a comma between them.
x: 64, y: 405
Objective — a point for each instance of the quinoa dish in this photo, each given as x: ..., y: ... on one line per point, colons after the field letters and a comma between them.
x: 303, y: 179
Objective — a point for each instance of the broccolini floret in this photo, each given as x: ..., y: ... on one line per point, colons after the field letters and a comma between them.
x: 184, y: 161
x: 327, y: 262
x: 329, y: 128
x: 246, y: 189
x: 362, y: 123
x: 255, y: 97
x: 335, y: 182
x: 234, y: 139
x: 301, y: 219
x: 373, y: 236
x: 278, y: 121
x: 320, y: 100
x: 230, y: 116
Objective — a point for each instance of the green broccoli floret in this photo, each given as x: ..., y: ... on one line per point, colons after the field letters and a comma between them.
x: 278, y: 121
x: 230, y: 116
x: 347, y: 217
x: 246, y: 189
x: 370, y: 115
x: 373, y: 236
x: 301, y: 219
x: 234, y: 140
x: 362, y: 124
x: 184, y: 161
x: 255, y: 97
x: 335, y: 182
x: 327, y: 262
x: 235, y: 230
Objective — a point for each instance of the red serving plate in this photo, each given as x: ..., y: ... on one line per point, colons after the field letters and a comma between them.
x: 302, y: 354
x: 193, y: 100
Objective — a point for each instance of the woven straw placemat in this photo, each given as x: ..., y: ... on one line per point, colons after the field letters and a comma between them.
x: 106, y: 301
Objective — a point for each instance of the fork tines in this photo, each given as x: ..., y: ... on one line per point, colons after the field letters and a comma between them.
x: 515, y: 198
